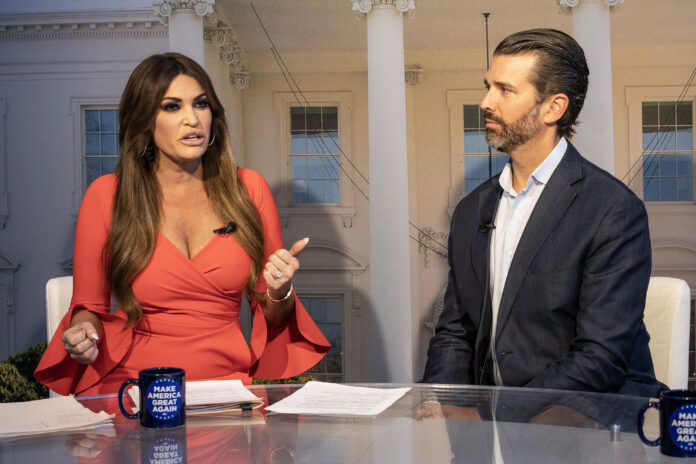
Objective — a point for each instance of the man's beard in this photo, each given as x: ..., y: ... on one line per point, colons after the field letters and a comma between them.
x: 510, y: 136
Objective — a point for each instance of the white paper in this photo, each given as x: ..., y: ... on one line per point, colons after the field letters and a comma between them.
x: 210, y: 392
x: 333, y: 398
x: 218, y: 391
x: 63, y: 413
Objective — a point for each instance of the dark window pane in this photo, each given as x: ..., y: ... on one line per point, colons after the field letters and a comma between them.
x: 314, y: 118
x: 334, y: 313
x: 684, y: 114
x: 333, y: 361
x: 666, y: 112
x: 668, y: 189
x: 650, y: 114
x: 471, y: 117
x: 330, y: 118
x: 651, y: 189
x: 333, y: 334
x: 318, y: 309
x: 297, y: 119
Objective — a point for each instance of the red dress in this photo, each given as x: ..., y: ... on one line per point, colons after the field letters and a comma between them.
x: 190, y: 309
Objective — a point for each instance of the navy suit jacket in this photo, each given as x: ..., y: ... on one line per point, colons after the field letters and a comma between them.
x: 571, y: 313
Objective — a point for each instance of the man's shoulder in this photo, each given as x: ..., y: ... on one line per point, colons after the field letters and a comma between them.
x: 471, y: 200
x: 601, y: 184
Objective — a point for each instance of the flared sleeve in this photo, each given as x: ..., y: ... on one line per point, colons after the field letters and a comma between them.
x: 299, y: 344
x: 57, y: 369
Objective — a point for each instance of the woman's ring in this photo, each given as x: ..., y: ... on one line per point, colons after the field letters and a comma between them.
x: 277, y: 275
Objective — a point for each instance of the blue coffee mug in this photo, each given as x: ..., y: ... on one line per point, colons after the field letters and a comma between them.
x: 677, y: 423
x: 162, y: 397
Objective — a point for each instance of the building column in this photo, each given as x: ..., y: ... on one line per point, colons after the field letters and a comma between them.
x: 185, y: 25
x: 595, y: 133
x: 390, y: 263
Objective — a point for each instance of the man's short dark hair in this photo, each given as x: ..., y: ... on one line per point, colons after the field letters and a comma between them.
x: 561, y: 68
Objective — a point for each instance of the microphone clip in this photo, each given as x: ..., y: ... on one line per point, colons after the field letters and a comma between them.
x: 486, y: 224
x: 228, y: 229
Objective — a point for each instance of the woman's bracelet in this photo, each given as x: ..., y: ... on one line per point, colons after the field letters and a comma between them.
x: 287, y: 295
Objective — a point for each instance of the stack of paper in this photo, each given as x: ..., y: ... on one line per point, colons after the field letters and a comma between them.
x: 59, y: 414
x: 333, y: 398
x: 213, y: 396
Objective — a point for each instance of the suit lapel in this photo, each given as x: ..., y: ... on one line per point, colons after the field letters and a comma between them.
x: 480, y: 259
x: 557, y: 196
x: 480, y: 244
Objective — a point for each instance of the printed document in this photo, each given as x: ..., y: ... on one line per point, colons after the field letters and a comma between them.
x: 333, y: 398
x: 212, y: 395
x: 63, y: 413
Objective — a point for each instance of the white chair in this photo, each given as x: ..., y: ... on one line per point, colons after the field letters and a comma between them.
x: 668, y: 319
x: 58, y: 295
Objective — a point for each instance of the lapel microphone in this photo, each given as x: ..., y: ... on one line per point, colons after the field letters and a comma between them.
x: 228, y: 229
x: 486, y: 224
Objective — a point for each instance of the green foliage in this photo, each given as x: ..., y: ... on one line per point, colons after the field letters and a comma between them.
x: 17, y: 381
x: 13, y: 386
x: 302, y: 378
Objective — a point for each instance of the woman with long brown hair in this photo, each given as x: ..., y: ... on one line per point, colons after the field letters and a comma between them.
x: 176, y: 236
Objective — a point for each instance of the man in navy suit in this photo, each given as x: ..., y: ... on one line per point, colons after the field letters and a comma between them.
x: 550, y: 260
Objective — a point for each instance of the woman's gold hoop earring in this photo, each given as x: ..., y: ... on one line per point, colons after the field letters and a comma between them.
x: 212, y: 141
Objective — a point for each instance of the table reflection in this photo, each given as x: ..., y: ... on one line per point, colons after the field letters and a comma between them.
x: 468, y: 424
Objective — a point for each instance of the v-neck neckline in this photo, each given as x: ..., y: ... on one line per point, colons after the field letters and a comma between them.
x: 192, y: 258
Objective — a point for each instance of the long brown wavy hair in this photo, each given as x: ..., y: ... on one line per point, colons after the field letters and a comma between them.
x: 137, y: 203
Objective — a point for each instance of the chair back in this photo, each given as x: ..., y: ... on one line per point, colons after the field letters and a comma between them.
x: 667, y: 318
x: 58, y: 295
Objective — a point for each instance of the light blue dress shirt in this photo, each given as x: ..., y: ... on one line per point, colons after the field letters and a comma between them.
x: 514, y: 210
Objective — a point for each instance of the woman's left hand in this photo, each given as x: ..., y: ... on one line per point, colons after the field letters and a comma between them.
x: 280, y: 268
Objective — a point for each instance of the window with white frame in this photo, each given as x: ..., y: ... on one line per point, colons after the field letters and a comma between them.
x: 315, y: 160
x: 661, y: 143
x: 313, y: 154
x: 327, y: 313
x: 667, y: 134
x: 100, y: 148
x: 479, y: 166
